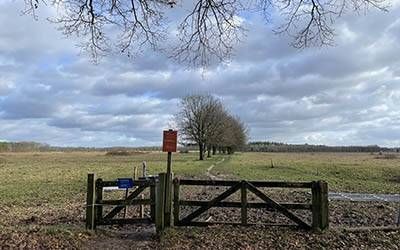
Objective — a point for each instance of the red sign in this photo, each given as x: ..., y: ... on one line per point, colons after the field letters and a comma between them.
x: 169, y: 141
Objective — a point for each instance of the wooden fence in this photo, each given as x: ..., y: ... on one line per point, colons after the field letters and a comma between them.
x: 95, y: 202
x: 318, y: 207
x: 164, y: 201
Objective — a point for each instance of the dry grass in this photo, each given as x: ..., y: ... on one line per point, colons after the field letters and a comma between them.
x: 43, y: 194
x: 354, y: 172
x: 125, y: 153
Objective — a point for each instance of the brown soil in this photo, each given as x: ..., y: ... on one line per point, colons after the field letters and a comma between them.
x: 47, y: 226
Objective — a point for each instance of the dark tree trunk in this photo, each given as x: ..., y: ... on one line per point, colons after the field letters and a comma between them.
x: 208, y: 151
x: 201, y: 149
x: 214, y: 150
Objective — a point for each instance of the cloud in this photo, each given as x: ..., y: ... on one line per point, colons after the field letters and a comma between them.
x: 346, y: 94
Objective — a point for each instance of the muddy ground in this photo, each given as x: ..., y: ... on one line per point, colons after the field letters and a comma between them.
x: 50, y: 227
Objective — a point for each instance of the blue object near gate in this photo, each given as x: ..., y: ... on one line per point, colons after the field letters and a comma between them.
x: 125, y: 182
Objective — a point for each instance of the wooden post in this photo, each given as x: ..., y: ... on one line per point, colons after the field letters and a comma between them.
x: 153, y: 202
x: 144, y: 174
x: 176, y: 201
x: 144, y: 169
x: 135, y: 172
x: 126, y: 196
x: 243, y: 211
x: 320, y: 220
x: 398, y: 218
x: 90, y: 202
x: 160, y: 205
x: 169, y: 162
x: 169, y: 145
x: 168, y: 193
x: 99, y: 197
x: 168, y: 200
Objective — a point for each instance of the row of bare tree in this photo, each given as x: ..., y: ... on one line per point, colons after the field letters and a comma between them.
x: 204, y: 120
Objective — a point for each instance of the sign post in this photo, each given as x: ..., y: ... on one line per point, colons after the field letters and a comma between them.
x: 169, y: 146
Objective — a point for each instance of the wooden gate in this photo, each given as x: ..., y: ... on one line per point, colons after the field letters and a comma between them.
x: 319, y: 205
x: 95, y: 202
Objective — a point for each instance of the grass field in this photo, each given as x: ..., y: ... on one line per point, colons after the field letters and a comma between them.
x: 353, y: 172
x: 43, y: 194
x: 29, y: 178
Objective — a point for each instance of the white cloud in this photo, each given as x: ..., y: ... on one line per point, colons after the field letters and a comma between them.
x: 348, y: 94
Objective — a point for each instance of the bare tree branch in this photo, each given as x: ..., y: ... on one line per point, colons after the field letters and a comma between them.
x: 208, y: 33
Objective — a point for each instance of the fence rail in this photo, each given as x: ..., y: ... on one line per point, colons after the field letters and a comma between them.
x: 165, y: 202
x: 95, y: 202
x: 270, y: 184
x: 318, y: 207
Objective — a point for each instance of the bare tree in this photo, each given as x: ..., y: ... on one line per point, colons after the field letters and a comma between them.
x: 209, y: 31
x: 235, y: 134
x: 216, y: 139
x: 204, y: 120
x: 198, y: 118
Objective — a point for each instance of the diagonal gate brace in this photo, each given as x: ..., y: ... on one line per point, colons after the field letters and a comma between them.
x: 277, y: 206
x: 130, y: 197
x: 211, y: 203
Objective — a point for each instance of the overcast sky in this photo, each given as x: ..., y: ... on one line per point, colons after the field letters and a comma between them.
x: 343, y: 95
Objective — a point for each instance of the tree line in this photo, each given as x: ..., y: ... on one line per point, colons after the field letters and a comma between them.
x: 267, y: 146
x: 255, y: 146
x: 27, y: 146
x: 23, y: 147
x: 203, y: 119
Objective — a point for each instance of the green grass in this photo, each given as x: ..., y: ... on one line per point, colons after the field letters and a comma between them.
x: 35, y: 178
x: 355, y: 172
x: 59, y: 178
x: 49, y: 188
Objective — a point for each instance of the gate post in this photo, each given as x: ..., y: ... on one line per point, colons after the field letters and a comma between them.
x: 320, y: 214
x: 243, y: 210
x: 176, y: 202
x: 160, y: 202
x: 153, y: 200
x: 168, y: 200
x: 99, y: 196
x: 90, y: 202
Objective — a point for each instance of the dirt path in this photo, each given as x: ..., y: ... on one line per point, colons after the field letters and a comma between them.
x: 364, y: 197
x: 209, y: 169
x: 127, y: 237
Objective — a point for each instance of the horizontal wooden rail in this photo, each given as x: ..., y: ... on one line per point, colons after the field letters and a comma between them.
x: 209, y: 223
x: 125, y: 202
x: 298, y: 206
x: 271, y: 184
x: 135, y: 183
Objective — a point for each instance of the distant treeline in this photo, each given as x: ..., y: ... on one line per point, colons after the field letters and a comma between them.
x: 42, y: 147
x: 23, y: 147
x: 106, y: 149
x: 257, y: 146
x: 266, y: 146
